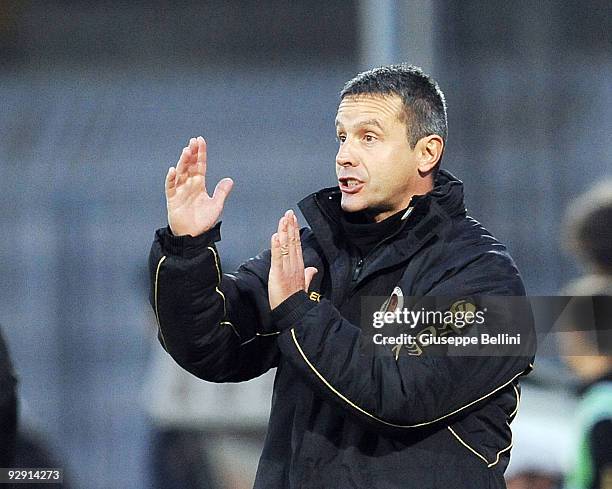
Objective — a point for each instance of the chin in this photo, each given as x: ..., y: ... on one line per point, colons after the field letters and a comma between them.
x: 350, y: 205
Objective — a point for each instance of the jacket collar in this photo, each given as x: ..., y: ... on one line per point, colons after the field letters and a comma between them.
x: 322, y: 211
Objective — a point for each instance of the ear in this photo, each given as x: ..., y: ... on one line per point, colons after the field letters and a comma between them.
x: 429, y: 151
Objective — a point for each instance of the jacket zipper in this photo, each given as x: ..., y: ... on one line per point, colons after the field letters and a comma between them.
x: 355, y: 272
x: 359, y: 266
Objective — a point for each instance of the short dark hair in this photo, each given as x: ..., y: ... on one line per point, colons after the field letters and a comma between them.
x: 424, y: 103
x: 588, y: 227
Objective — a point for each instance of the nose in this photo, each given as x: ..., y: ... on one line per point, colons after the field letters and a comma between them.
x: 345, y: 157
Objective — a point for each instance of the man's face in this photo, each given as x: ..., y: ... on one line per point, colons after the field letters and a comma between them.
x: 376, y: 168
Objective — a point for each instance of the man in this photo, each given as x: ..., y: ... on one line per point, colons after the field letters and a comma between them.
x: 587, y: 344
x: 345, y: 416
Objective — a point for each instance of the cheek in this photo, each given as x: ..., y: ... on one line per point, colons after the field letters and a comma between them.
x: 382, y: 185
x: 389, y: 183
x: 398, y: 168
x: 384, y: 172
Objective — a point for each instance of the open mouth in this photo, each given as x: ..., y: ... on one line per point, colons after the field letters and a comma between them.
x: 350, y: 185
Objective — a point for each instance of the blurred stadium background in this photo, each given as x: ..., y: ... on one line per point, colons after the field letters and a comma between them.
x: 98, y: 98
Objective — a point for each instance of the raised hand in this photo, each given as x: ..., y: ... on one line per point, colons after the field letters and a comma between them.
x: 287, y: 274
x: 190, y: 209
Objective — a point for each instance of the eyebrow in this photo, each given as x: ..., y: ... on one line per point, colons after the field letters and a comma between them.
x: 369, y: 122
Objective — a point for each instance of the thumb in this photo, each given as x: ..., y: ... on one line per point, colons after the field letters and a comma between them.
x: 170, y: 182
x: 222, y: 190
x: 309, y: 273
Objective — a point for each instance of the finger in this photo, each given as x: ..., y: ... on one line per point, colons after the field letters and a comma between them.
x: 181, y: 166
x: 170, y: 182
x: 181, y: 161
x: 298, y: 242
x: 276, y: 263
x: 192, y: 166
x: 193, y: 146
x: 222, y: 190
x: 201, y: 156
x: 297, y: 274
x: 284, y: 242
x: 309, y: 274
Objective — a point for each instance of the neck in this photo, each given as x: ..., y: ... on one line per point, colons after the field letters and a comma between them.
x: 384, y: 215
x: 422, y: 187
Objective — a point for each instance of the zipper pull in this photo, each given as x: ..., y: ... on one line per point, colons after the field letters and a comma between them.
x: 357, y: 269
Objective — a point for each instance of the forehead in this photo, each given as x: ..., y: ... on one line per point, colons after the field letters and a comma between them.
x: 385, y: 108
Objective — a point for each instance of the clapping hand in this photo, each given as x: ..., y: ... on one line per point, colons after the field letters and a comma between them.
x: 191, y: 211
x: 287, y: 273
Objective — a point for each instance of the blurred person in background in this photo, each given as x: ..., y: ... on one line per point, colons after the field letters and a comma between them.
x: 587, y: 345
x: 8, y: 407
x: 206, y: 436
x: 20, y: 446
x: 395, y: 226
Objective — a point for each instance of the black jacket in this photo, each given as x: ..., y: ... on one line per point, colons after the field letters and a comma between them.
x: 343, y: 416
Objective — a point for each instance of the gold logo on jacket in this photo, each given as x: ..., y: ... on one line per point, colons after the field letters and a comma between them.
x: 460, y: 306
x: 315, y: 296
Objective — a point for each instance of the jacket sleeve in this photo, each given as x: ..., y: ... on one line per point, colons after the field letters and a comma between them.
x: 214, y: 325
x: 375, y: 387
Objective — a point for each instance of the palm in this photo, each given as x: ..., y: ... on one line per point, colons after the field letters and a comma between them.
x: 191, y: 210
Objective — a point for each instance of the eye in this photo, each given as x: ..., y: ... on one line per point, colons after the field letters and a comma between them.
x: 369, y: 138
x: 341, y: 138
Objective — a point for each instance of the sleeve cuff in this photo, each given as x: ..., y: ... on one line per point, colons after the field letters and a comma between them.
x: 291, y: 310
x: 187, y: 246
